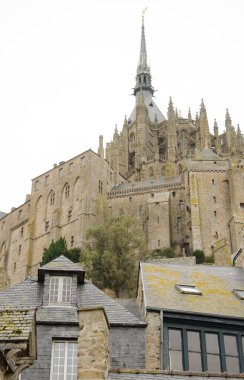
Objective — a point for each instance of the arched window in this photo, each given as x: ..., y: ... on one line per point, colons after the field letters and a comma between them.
x: 52, y: 198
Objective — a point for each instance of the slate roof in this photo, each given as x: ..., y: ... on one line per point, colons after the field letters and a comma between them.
x: 59, y: 264
x: 151, y: 106
x: 16, y: 325
x: 90, y: 295
x: 216, y: 284
x: 208, y: 155
x: 29, y: 294
x: 147, y: 183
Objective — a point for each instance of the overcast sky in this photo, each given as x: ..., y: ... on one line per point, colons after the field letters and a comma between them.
x: 67, y: 69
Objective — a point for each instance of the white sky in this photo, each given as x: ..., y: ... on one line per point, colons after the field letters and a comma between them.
x: 67, y: 69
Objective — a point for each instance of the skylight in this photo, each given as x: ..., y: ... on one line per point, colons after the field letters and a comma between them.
x: 188, y: 289
x: 239, y: 293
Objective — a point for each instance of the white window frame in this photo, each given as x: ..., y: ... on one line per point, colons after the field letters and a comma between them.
x: 66, y: 342
x: 60, y: 290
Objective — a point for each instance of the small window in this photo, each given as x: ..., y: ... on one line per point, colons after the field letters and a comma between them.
x: 14, y: 267
x: 46, y: 226
x: 158, y: 243
x: 64, y: 360
x: 71, y: 167
x: 100, y: 186
x: 158, y: 219
x: 82, y: 161
x: 52, y: 198
x: 215, y: 213
x: 22, y: 231
x: 46, y: 180
x: 60, y: 289
x: 19, y: 249
x: 66, y: 191
x: 188, y: 289
x: 213, y: 182
x: 61, y: 173
x: 130, y: 199
x: 214, y: 199
x: 72, y: 241
x: 239, y: 293
x: 242, y: 205
x: 37, y: 185
x: 69, y: 215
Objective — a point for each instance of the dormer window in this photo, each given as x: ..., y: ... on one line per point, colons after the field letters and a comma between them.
x: 60, y: 290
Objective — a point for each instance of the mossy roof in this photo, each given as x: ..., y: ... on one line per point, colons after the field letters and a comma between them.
x: 215, y: 283
x: 16, y: 325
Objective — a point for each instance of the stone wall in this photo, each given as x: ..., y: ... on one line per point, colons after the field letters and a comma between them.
x: 93, y: 360
x: 153, y: 346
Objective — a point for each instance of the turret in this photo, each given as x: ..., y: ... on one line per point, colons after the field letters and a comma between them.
x: 204, y: 128
x: 171, y: 132
x: 228, y: 129
x: 100, y: 148
x: 216, y: 138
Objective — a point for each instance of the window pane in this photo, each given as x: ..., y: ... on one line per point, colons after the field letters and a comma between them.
x: 230, y: 345
x: 213, y: 363
x: 195, y: 361
x: 175, y: 360
x: 53, y: 290
x: 212, y: 343
x: 175, y: 342
x: 66, y: 295
x: 232, y: 364
x: 193, y: 341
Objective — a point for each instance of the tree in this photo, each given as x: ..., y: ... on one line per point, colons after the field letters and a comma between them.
x: 110, y: 260
x: 57, y: 248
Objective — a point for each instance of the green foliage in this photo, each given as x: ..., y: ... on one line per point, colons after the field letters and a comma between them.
x: 209, y: 259
x: 166, y: 252
x: 58, y: 248
x: 199, y: 254
x: 110, y: 260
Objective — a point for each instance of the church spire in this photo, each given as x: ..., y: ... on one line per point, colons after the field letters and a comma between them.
x: 143, y: 76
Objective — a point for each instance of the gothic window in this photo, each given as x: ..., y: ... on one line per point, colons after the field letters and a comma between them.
x: 64, y: 360
x: 60, y: 289
x: 66, y: 191
x: 52, y: 198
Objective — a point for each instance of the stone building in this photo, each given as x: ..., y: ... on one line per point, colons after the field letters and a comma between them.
x: 183, y: 183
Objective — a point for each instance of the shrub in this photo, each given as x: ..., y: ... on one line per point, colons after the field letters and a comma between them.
x: 209, y: 259
x: 166, y: 252
x: 199, y: 254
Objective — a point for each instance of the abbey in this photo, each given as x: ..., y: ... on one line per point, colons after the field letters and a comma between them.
x: 183, y: 183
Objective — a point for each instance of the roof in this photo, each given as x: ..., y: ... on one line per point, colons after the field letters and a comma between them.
x: 61, y: 264
x: 16, y: 325
x: 90, y: 295
x: 152, y: 109
x: 150, y: 183
x: 216, y: 284
x: 29, y: 294
x: 208, y: 155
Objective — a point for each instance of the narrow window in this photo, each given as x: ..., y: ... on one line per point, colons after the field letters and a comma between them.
x: 61, y: 172
x: 69, y: 215
x: 175, y: 350
x: 37, y: 185
x: 82, y: 161
x: 72, y: 241
x: 46, y: 180
x: 158, y: 219
x: 215, y: 213
x: 212, y: 181
x: 66, y: 191
x: 22, y: 231
x: 242, y: 205
x: 14, y: 267
x: 130, y: 199
x: 214, y: 199
x: 100, y: 186
x: 64, y: 360
x: 212, y: 351
x: 52, y: 198
x: 19, y: 249
x: 71, y: 167
x: 46, y: 226
x: 158, y: 243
